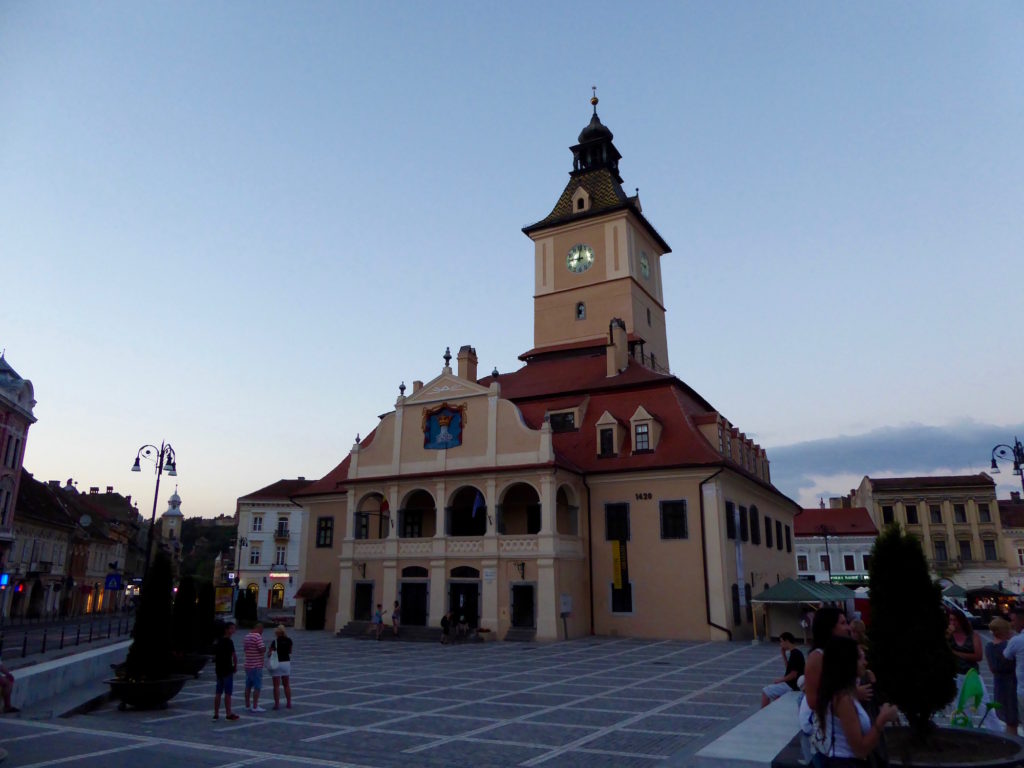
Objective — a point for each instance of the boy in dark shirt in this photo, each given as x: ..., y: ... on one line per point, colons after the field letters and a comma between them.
x: 226, y: 663
x: 794, y: 668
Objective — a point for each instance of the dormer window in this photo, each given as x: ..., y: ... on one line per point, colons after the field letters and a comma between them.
x: 646, y: 431
x: 581, y: 311
x: 642, y: 437
x: 562, y: 421
x: 580, y: 200
x: 609, y: 435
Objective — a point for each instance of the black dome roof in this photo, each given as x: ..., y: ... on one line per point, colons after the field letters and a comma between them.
x: 595, y: 130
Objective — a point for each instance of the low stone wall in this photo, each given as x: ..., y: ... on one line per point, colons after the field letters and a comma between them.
x: 49, y: 679
x: 756, y: 741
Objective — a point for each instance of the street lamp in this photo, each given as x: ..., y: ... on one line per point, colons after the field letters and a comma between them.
x: 163, y: 458
x: 1014, y: 453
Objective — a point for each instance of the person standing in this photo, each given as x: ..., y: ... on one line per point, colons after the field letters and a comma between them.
x: 254, y: 652
x: 378, y: 620
x: 446, y: 627
x: 1004, y: 677
x: 794, y: 661
x: 225, y: 663
x: 396, y: 618
x: 282, y: 674
x: 6, y: 688
x: 1014, y: 651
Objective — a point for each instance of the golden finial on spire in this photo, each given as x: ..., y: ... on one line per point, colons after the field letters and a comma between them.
x: 593, y: 99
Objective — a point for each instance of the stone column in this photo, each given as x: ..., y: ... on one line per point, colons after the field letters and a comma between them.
x: 438, y: 592
x: 489, y: 596
x: 344, y: 614
x: 547, y: 600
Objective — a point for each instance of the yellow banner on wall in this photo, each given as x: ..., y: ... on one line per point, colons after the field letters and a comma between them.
x: 617, y: 564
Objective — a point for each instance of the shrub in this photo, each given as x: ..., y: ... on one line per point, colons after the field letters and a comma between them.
x: 909, y: 653
x: 207, y: 618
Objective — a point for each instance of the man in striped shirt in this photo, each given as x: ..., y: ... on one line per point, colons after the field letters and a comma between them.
x: 254, y: 651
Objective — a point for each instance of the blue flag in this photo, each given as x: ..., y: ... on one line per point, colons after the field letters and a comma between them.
x: 478, y: 503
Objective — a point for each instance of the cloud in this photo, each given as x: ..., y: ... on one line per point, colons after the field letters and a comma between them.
x: 809, y: 470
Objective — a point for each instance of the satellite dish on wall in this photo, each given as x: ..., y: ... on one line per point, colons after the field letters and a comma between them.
x: 84, y: 521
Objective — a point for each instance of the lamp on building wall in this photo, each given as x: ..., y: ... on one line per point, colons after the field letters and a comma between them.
x: 1014, y: 453
x: 163, y: 458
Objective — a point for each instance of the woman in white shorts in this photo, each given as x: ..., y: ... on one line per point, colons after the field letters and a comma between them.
x: 282, y: 675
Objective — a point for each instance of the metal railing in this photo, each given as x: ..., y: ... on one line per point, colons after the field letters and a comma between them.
x: 24, y: 640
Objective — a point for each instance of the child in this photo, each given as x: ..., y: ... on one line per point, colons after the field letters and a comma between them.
x: 794, y: 660
x: 226, y: 663
x: 378, y: 620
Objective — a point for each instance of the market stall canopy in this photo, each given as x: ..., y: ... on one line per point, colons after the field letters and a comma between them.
x: 311, y: 590
x: 799, y: 591
x: 954, y: 590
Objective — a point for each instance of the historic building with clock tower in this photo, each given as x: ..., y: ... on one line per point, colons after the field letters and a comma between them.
x: 588, y: 492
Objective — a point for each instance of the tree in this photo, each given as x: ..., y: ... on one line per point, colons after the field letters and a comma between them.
x: 149, y: 657
x: 245, y: 609
x: 207, y: 621
x: 909, y: 653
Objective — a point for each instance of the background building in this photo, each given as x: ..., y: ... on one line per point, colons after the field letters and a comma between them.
x: 17, y: 399
x: 955, y: 516
x: 834, y: 544
x: 269, y: 548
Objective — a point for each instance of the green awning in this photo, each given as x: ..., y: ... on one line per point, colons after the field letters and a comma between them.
x: 799, y: 591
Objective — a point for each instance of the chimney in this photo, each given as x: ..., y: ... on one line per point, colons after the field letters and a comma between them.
x: 617, y: 351
x: 301, y: 477
x: 93, y: 489
x: 467, y: 363
x: 1015, y: 496
x: 417, y: 386
x: 110, y: 489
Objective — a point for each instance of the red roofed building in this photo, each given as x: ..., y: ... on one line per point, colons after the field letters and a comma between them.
x: 589, y: 491
x: 833, y: 544
x: 269, y: 546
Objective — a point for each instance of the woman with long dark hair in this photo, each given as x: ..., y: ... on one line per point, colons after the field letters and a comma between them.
x: 844, y: 733
x: 827, y: 623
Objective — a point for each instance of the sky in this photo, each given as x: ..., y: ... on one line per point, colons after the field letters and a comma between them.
x: 238, y: 227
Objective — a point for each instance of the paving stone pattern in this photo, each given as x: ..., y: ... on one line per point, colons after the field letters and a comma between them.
x: 592, y: 702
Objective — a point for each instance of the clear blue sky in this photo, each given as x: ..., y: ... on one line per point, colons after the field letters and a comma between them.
x: 239, y: 226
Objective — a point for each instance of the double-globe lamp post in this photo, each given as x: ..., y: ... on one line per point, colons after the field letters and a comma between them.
x: 163, y: 458
x: 1014, y: 453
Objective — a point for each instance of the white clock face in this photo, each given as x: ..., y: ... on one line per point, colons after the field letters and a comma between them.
x: 645, y: 265
x: 580, y: 258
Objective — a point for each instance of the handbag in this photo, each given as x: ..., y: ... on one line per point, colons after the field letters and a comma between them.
x: 273, y: 663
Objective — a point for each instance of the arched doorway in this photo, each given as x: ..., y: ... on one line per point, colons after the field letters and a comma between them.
x: 417, y: 519
x: 467, y: 515
x: 277, y: 597
x: 519, y: 514
x: 414, y: 595
x: 464, y: 595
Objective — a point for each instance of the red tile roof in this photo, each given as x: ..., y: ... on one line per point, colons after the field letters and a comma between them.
x: 282, y: 489
x: 848, y: 521
x: 552, y: 383
x: 934, y: 481
x: 1011, y: 513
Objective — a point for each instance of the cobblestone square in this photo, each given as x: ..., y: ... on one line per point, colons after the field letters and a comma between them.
x: 591, y: 702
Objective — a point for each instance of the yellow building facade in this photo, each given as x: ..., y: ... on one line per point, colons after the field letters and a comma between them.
x: 589, y: 492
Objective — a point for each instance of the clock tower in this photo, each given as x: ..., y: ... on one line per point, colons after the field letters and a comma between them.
x: 597, y: 258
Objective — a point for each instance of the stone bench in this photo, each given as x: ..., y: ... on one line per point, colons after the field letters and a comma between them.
x: 756, y: 741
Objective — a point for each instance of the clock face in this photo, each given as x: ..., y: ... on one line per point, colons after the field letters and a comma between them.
x: 645, y: 265
x: 580, y: 258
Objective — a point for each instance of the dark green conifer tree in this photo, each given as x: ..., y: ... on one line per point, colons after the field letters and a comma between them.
x: 909, y: 652
x: 149, y: 657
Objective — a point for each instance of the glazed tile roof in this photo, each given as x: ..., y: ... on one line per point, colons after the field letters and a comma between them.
x: 606, y: 195
x: 930, y: 482
x: 849, y: 521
